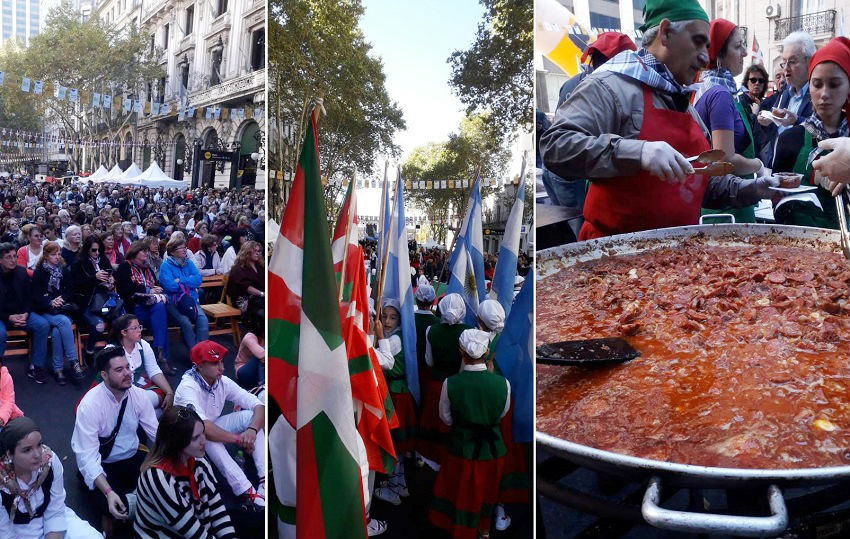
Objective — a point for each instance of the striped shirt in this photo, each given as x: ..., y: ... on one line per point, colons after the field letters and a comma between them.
x: 165, y: 507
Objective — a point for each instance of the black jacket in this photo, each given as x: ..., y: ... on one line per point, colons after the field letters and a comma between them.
x: 15, y: 293
x: 83, y: 280
x: 126, y: 288
x: 41, y: 297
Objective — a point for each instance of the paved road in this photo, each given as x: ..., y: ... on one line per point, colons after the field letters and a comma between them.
x: 52, y: 406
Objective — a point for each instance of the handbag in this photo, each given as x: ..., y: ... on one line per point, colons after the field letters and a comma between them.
x: 185, y: 303
x: 106, y: 305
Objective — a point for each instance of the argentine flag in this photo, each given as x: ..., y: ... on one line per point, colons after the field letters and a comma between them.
x: 467, y: 261
x: 397, y: 286
x: 515, y: 359
x: 502, y: 288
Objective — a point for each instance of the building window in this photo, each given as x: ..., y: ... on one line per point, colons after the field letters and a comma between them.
x: 604, y: 21
x: 184, y: 76
x: 258, y: 49
x: 153, y: 42
x: 161, y: 89
x: 215, y: 72
x: 190, y: 19
x: 165, y: 36
x: 222, y: 7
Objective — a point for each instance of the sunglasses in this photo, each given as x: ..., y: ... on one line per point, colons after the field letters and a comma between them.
x: 758, y: 81
x: 94, y: 250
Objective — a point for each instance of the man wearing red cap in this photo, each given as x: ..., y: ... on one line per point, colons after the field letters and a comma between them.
x: 205, y: 389
x: 829, y: 86
x: 629, y: 127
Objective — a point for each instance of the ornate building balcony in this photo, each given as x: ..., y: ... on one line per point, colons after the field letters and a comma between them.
x: 820, y: 24
x: 234, y: 88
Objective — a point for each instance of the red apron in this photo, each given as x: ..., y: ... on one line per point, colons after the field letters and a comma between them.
x: 643, y: 201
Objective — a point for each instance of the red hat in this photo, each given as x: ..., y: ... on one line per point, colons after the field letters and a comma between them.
x: 718, y: 33
x: 609, y: 44
x: 207, y: 351
x: 836, y: 50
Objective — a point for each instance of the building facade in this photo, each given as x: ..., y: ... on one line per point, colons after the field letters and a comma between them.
x: 213, y: 55
x: 19, y: 19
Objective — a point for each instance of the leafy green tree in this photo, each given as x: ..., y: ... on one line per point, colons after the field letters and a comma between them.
x: 90, y: 56
x: 495, y: 73
x: 476, y: 147
x: 317, y: 49
x: 17, y: 109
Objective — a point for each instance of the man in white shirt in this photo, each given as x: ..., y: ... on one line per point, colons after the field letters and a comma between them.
x: 107, y: 451
x: 204, y: 389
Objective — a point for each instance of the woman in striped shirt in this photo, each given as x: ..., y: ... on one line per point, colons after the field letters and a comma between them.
x: 178, y: 496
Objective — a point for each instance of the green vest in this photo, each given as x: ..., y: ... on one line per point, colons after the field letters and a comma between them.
x: 746, y: 214
x: 445, y: 349
x: 477, y: 399
x: 396, y: 380
x: 423, y: 322
x: 809, y: 214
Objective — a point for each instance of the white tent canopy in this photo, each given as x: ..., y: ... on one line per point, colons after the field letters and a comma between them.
x: 155, y: 177
x: 112, y: 176
x: 132, y: 171
x: 98, y: 174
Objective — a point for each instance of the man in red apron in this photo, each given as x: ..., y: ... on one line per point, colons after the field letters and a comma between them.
x: 629, y: 128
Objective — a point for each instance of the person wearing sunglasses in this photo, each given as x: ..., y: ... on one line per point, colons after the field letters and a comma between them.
x: 90, y: 271
x: 755, y: 87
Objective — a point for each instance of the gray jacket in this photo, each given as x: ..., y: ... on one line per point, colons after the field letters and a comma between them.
x: 594, y: 135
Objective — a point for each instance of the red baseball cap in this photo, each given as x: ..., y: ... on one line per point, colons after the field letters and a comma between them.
x: 207, y: 352
x: 609, y: 44
x: 718, y: 33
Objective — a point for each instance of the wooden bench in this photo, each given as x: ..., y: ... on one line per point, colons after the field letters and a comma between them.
x: 222, y: 311
x: 22, y: 343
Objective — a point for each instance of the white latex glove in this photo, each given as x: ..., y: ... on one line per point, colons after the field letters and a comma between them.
x: 764, y: 184
x: 762, y: 171
x: 785, y: 117
x: 836, y: 165
x: 662, y: 160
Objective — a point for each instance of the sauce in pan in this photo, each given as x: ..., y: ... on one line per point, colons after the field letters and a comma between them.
x: 745, y: 356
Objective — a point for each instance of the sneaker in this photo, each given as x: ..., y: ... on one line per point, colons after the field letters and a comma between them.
x: 60, y: 377
x: 376, y: 527
x: 37, y: 374
x: 77, y: 372
x: 501, y: 519
x: 251, y: 496
x: 384, y: 492
x: 400, y: 489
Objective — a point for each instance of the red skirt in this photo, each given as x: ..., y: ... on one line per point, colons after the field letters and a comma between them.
x: 404, y: 437
x: 515, y: 485
x: 432, y: 430
x: 465, y: 494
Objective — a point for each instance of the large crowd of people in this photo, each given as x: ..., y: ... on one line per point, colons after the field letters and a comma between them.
x: 641, y: 116
x: 113, y: 268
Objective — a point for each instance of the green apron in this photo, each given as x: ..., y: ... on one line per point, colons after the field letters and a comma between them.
x: 746, y: 214
x: 809, y: 214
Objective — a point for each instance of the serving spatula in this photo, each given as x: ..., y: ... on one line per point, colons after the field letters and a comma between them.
x: 587, y: 353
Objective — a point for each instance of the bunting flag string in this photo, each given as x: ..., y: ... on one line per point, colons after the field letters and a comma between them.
x: 147, y: 108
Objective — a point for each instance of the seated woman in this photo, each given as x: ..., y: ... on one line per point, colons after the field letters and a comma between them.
x: 177, y: 493
x: 110, y: 251
x: 246, y: 284
x: 137, y: 286
x: 52, y: 300
x: 8, y: 409
x: 250, y: 363
x: 32, y: 488
x: 127, y: 333
x: 207, y: 259
x: 30, y: 251
x: 829, y: 69
x: 180, y: 280
x: 71, y: 245
x: 237, y: 239
x: 90, y: 272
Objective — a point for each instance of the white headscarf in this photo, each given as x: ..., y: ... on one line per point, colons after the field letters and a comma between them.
x: 475, y: 342
x: 425, y: 292
x: 492, y: 313
x: 452, y: 308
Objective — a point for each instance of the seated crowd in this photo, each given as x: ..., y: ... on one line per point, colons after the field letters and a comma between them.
x: 81, y: 263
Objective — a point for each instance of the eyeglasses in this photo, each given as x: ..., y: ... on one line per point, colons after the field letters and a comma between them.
x: 136, y: 328
x: 758, y: 81
x: 791, y: 62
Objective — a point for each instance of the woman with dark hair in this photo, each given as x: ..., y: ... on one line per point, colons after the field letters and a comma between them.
x: 237, y: 239
x: 121, y: 242
x: 246, y: 285
x: 32, y: 489
x: 144, y: 297
x: 177, y: 495
x: 126, y: 332
x: 115, y: 258
x: 90, y: 272
x: 722, y: 114
x: 755, y: 84
x: 52, y: 300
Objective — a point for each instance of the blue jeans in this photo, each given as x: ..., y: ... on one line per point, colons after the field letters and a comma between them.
x: 567, y: 193
x: 38, y: 328
x: 63, y: 339
x: 92, y: 321
x: 251, y: 374
x: 191, y: 335
x: 3, y: 338
x: 156, y: 318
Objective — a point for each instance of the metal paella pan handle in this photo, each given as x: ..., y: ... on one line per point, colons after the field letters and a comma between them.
x: 669, y: 519
x: 715, y: 216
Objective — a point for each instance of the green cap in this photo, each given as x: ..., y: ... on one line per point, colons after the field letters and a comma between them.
x: 654, y: 11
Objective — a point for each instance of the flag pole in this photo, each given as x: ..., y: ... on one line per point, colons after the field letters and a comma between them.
x: 386, y: 252
x: 454, y: 240
x: 380, y: 269
x: 348, y: 220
